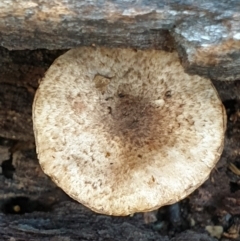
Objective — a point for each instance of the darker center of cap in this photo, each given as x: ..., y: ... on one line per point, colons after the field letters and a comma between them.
x: 136, y: 121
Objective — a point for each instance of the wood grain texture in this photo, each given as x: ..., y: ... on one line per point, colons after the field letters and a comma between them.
x: 206, y: 32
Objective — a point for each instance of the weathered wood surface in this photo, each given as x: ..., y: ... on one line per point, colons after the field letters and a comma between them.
x: 206, y: 32
x: 19, y: 76
x: 71, y: 222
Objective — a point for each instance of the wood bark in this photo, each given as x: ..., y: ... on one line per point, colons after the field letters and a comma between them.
x: 205, y: 33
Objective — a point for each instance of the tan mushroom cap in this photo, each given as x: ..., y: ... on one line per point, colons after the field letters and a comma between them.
x: 124, y: 131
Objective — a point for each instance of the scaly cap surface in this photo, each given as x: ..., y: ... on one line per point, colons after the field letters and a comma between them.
x: 124, y: 131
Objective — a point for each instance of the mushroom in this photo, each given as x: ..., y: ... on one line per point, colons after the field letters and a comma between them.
x: 124, y: 131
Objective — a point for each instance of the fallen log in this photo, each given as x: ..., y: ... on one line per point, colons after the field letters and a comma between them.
x: 206, y: 33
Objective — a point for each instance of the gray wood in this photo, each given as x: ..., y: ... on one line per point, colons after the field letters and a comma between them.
x: 206, y: 32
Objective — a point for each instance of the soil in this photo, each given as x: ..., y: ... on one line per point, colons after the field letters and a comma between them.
x: 33, y: 208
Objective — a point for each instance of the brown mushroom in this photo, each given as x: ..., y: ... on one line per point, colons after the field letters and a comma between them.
x: 124, y: 131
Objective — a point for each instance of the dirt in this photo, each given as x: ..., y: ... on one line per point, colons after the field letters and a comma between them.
x: 27, y: 191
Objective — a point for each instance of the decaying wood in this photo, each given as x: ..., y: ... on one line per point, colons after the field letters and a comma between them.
x: 19, y: 76
x: 206, y: 33
x: 70, y: 222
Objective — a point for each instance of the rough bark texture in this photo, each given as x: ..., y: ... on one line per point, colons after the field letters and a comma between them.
x: 70, y: 221
x: 206, y: 32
